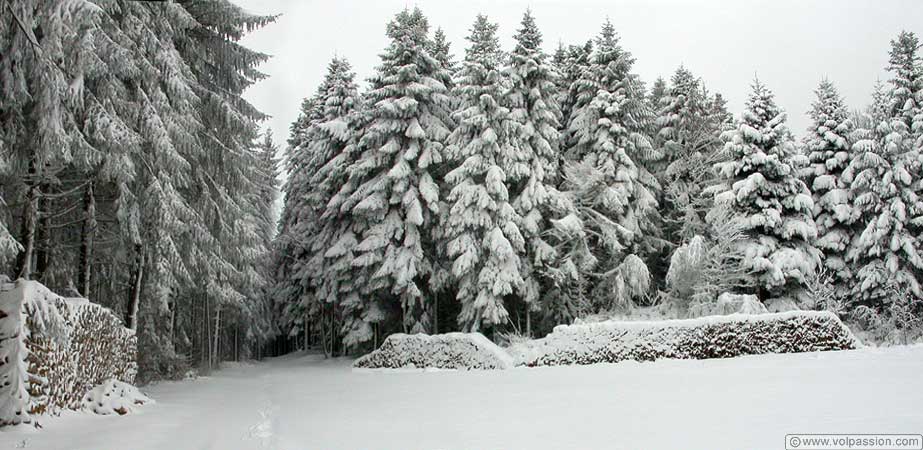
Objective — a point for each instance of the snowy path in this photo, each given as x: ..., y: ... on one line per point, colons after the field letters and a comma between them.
x: 305, y: 403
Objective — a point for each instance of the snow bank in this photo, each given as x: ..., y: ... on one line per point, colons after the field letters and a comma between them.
x: 442, y: 351
x: 702, y: 338
x: 54, y: 350
x: 114, y: 397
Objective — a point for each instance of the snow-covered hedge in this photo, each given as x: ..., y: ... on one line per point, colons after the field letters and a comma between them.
x: 443, y: 351
x: 707, y: 337
x: 54, y: 350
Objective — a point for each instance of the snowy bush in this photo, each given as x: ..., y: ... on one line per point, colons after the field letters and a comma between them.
x: 728, y: 303
x: 703, y: 338
x: 114, y: 397
x: 703, y: 268
x: 53, y: 350
x: 442, y: 351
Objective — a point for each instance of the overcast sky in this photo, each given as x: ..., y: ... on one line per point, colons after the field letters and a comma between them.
x: 789, y: 44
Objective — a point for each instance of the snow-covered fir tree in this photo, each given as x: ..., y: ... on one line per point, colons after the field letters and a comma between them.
x: 760, y: 187
x: 391, y: 186
x: 485, y: 242
x: 532, y: 101
x: 829, y: 152
x: 904, y: 63
x: 885, y: 251
x: 316, y: 172
x: 614, y: 193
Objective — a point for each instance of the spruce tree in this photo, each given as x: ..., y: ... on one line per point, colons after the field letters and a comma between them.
x: 761, y: 189
x: 391, y: 187
x: 886, y: 180
x: 533, y: 106
x: 482, y: 226
x: 828, y: 147
x: 613, y: 190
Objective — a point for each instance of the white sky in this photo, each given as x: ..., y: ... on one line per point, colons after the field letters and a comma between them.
x: 789, y: 44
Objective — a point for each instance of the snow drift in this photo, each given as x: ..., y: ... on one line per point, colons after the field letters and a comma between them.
x: 703, y: 338
x: 442, y: 351
x: 54, y: 350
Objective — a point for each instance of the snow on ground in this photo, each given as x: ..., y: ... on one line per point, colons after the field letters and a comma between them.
x: 304, y: 402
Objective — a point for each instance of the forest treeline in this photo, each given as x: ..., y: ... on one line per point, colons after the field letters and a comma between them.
x: 132, y: 170
x: 509, y: 191
x: 505, y: 191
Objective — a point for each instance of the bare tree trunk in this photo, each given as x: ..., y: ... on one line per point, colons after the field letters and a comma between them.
x: 528, y: 321
x: 207, y: 349
x: 436, y: 313
x: 43, y: 239
x: 88, y: 234
x: 29, y: 224
x: 217, y: 330
x: 306, y: 331
x: 137, y: 279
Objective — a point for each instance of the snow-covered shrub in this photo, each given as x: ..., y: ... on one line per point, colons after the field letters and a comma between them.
x: 703, y: 268
x: 114, y: 397
x: 55, y: 350
x: 728, y: 303
x: 703, y: 338
x: 442, y: 351
x: 900, y: 323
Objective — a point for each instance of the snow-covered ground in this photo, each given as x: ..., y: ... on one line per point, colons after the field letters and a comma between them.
x: 304, y: 402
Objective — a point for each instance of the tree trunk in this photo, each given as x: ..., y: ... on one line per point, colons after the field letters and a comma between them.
x: 88, y: 234
x: 29, y: 223
x: 134, y: 299
x: 207, y: 348
x: 528, y: 321
x: 436, y: 313
x: 214, y: 364
x: 43, y: 239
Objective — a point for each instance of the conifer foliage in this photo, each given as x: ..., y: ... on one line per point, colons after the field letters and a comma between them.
x: 485, y: 242
x: 392, y: 188
x: 613, y: 190
x: 886, y: 185
x: 828, y: 147
x: 760, y: 187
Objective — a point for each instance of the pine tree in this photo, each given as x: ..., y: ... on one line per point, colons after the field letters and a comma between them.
x: 391, y: 186
x: 906, y: 81
x: 441, y: 50
x: 318, y: 139
x: 571, y: 63
x: 828, y: 147
x: 533, y: 106
x: 886, y: 179
x: 613, y: 190
x: 761, y: 188
x: 482, y: 226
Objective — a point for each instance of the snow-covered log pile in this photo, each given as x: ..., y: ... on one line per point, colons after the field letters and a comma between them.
x: 114, y: 397
x: 702, y: 338
x: 442, y: 351
x: 54, y: 350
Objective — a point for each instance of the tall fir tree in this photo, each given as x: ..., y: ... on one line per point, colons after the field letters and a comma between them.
x: 391, y: 186
x: 829, y: 152
x: 615, y: 193
x: 533, y: 105
x: 482, y: 226
x: 886, y: 180
x: 762, y: 190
